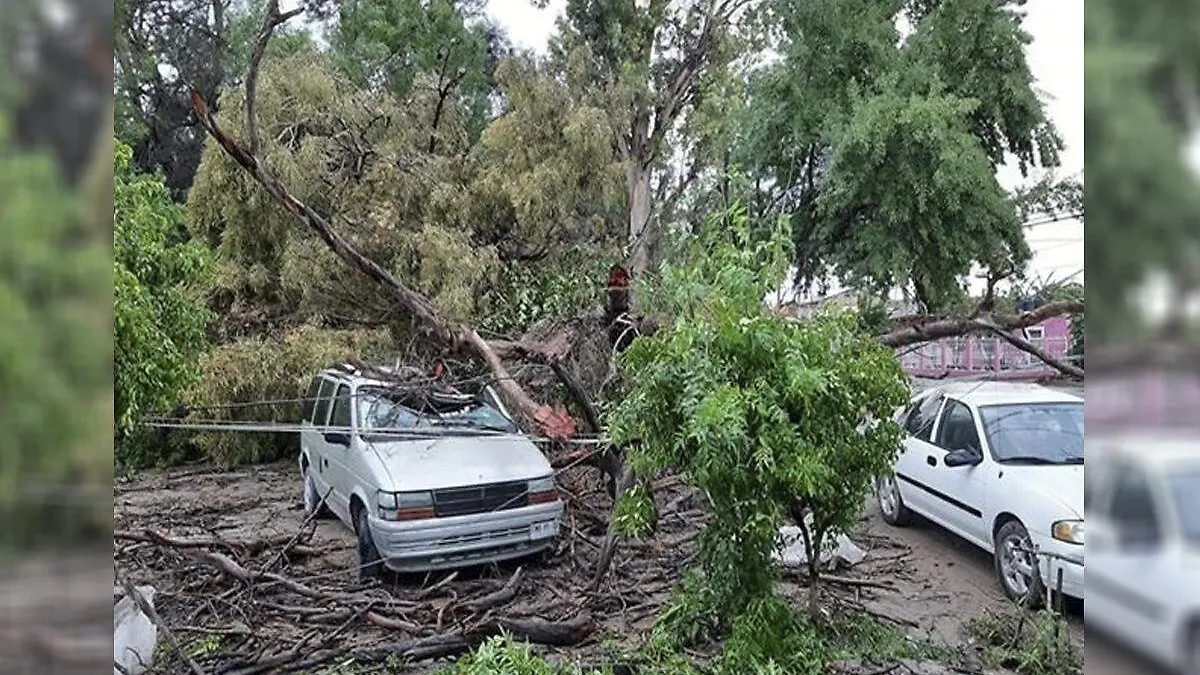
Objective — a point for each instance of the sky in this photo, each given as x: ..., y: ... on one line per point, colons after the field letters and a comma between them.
x: 1055, y: 57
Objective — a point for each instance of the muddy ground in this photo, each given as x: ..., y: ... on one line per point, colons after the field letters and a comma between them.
x: 315, y: 601
x: 933, y: 582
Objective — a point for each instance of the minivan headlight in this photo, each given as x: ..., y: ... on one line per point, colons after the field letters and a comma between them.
x: 545, y: 484
x: 405, y: 505
x: 1070, y: 531
x: 542, y: 490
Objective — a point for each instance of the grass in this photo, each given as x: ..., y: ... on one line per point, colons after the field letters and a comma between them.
x: 1030, y: 643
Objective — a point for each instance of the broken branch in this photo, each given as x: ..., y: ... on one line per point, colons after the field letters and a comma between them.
x: 551, y: 422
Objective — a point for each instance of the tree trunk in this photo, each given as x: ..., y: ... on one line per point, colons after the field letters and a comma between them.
x: 640, y: 237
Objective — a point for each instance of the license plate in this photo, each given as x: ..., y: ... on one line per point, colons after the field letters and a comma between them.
x: 543, y: 530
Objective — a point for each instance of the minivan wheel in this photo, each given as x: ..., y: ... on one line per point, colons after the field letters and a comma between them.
x: 891, y: 507
x: 1016, y: 567
x: 370, y: 563
x: 312, y: 498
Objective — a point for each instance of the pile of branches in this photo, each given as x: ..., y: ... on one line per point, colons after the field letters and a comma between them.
x: 277, y: 604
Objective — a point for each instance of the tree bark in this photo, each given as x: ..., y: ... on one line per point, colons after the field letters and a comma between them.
x: 937, y: 330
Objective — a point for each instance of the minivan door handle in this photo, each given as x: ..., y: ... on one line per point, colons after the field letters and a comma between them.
x: 931, y: 460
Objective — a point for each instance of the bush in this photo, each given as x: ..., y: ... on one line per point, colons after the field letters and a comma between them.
x: 159, y: 319
x: 767, y: 418
x: 239, y: 380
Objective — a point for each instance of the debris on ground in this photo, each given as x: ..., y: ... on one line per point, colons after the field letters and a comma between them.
x: 135, y: 636
x: 906, y: 667
x: 248, y: 586
x: 837, y: 552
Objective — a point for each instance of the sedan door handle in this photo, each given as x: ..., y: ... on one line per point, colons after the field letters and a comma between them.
x: 931, y: 460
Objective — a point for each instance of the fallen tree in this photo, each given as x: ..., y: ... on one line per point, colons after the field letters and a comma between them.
x: 549, y: 420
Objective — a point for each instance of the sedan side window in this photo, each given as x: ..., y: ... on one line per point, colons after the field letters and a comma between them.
x: 920, y: 424
x: 1132, y: 508
x: 321, y: 410
x: 957, y: 430
x: 341, y: 408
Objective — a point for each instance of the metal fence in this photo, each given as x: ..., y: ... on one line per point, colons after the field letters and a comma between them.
x: 976, y: 354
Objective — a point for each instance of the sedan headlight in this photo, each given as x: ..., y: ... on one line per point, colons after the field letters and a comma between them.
x: 1070, y: 531
x: 405, y: 505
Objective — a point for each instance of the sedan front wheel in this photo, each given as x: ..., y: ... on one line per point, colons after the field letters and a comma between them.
x: 1017, y: 566
x: 891, y: 506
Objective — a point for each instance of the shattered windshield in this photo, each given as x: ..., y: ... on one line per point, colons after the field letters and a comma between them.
x: 1035, y: 433
x: 382, y: 410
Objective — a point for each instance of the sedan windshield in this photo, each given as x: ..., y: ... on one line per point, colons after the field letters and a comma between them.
x: 381, y: 410
x: 1185, y: 491
x: 1035, y: 433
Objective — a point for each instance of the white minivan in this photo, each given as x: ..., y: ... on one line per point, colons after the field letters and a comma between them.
x: 426, y: 481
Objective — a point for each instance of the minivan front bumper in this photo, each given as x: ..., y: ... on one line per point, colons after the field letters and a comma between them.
x: 460, y: 541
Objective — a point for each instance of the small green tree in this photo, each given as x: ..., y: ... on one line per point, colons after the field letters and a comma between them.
x: 767, y: 418
x: 159, y: 318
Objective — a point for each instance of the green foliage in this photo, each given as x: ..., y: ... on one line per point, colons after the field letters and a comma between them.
x: 443, y: 221
x: 912, y: 199
x: 1143, y: 202
x: 255, y: 370
x: 884, y: 150
x: 502, y: 654
x: 399, y: 45
x: 764, y: 416
x: 1030, y: 643
x: 159, y: 317
x: 55, y: 368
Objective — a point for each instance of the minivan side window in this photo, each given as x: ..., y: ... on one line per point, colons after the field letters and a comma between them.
x: 321, y: 410
x: 341, y: 408
x: 310, y: 400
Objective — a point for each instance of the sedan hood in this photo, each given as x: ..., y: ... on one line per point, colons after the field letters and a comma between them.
x: 1063, y: 484
x: 460, y: 461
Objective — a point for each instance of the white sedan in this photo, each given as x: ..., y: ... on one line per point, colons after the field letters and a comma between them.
x: 1144, y: 497
x: 1001, y: 465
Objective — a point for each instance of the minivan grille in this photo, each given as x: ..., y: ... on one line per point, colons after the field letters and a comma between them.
x: 480, y: 499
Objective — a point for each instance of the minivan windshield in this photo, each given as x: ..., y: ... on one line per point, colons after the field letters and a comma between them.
x: 1034, y: 433
x: 381, y: 410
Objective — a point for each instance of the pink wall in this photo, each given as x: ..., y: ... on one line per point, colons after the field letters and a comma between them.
x: 982, y: 353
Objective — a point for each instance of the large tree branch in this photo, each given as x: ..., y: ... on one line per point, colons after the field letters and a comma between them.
x: 545, y: 420
x: 1002, y: 326
x: 937, y: 330
x: 1027, y: 346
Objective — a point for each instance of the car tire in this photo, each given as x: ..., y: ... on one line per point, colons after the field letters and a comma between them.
x: 891, y: 506
x: 370, y: 563
x: 1018, y: 571
x: 312, y: 498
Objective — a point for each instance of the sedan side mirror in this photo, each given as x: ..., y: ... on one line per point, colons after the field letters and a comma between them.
x: 963, y: 457
x: 337, y: 438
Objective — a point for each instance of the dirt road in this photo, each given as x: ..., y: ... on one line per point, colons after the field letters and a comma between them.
x: 940, y: 581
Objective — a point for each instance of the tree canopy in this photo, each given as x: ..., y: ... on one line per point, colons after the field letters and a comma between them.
x: 883, y: 147
x: 159, y: 319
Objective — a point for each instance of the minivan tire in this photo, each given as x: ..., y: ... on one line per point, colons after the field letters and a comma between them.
x: 312, y: 498
x: 370, y: 563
